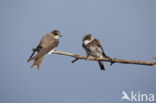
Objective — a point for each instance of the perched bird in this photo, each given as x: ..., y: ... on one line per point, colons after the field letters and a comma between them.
x: 46, y: 46
x: 94, y: 48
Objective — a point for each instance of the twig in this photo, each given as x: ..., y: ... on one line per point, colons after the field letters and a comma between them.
x: 114, y: 60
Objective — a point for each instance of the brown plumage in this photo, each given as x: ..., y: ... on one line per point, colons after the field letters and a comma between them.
x: 94, y: 48
x: 46, y: 45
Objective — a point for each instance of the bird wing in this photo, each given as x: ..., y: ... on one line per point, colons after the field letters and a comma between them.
x: 98, y: 43
x: 45, y: 41
x: 47, y: 44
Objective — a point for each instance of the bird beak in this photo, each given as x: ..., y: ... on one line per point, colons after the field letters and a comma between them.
x: 60, y: 35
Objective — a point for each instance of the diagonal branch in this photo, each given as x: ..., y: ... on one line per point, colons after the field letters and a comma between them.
x: 112, y: 60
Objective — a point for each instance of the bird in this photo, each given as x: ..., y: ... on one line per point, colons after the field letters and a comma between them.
x: 93, y: 48
x: 46, y: 46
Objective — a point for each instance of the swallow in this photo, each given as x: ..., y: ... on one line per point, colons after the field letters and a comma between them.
x: 94, y: 48
x: 46, y: 46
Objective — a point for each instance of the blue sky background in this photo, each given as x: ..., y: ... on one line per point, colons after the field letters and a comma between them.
x: 126, y: 29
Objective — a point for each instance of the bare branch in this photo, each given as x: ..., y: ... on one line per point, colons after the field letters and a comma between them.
x: 113, y: 60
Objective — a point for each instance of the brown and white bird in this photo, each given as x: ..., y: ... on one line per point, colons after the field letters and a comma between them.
x: 94, y: 48
x: 46, y: 46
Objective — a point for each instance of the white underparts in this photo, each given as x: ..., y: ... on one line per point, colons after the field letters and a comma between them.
x: 50, y: 51
x: 95, y: 51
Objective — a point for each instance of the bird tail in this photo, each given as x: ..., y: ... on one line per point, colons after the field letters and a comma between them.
x: 34, y: 50
x: 38, y: 62
x: 101, y: 65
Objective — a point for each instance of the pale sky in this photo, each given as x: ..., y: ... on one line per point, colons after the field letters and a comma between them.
x: 126, y: 29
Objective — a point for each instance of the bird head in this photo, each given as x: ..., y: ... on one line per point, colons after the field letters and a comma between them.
x: 56, y: 34
x: 88, y: 38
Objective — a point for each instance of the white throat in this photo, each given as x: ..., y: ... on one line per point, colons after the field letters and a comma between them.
x: 57, y: 37
x: 86, y: 42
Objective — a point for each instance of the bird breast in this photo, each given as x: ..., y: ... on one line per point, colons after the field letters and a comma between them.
x: 95, y: 52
